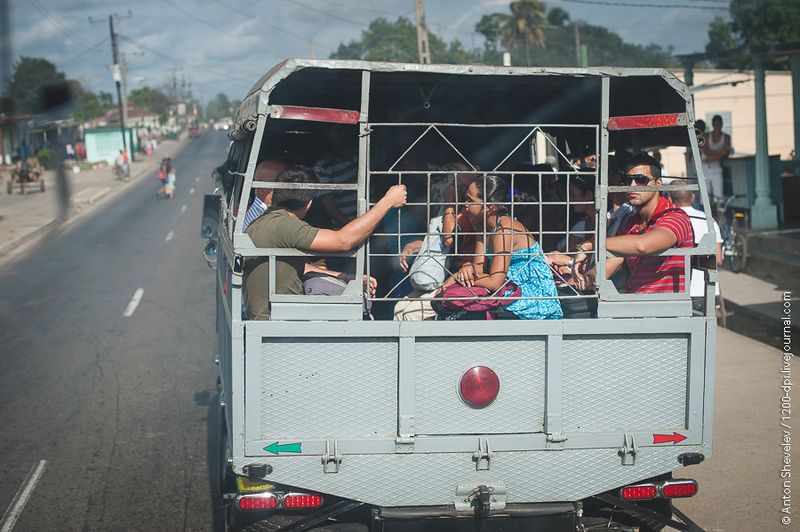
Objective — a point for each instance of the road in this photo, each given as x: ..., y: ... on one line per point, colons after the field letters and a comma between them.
x: 121, y: 408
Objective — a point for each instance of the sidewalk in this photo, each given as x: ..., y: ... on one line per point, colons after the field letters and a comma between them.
x: 23, y: 218
x: 755, y: 306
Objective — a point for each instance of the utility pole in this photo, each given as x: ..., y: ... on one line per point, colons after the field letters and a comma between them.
x: 123, y: 68
x: 117, y: 75
x: 577, y: 44
x: 422, y: 34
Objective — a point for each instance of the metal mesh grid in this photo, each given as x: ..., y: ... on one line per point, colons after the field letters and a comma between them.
x: 445, y: 178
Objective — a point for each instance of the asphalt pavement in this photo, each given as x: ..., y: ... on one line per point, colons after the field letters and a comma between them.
x: 107, y: 377
x: 119, y: 408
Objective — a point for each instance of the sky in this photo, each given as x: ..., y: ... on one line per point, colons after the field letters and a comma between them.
x: 226, y: 45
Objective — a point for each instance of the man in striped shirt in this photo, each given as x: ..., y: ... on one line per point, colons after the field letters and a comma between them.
x: 266, y: 171
x: 658, y: 226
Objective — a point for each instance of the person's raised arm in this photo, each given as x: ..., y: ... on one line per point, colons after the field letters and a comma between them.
x: 355, y: 232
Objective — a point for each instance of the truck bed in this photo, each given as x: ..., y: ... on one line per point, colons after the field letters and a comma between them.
x: 366, y: 410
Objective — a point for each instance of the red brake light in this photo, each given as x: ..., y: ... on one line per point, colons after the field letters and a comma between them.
x: 674, y: 489
x: 479, y: 386
x: 259, y: 501
x: 302, y: 500
x: 639, y: 492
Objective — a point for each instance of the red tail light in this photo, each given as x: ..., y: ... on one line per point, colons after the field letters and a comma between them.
x: 640, y: 492
x: 479, y: 386
x: 258, y: 501
x: 302, y: 500
x: 674, y: 489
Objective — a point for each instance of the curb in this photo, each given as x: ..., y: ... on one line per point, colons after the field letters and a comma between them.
x: 18, y: 243
x: 757, y: 325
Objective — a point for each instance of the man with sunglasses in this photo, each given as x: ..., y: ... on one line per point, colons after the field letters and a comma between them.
x: 658, y: 226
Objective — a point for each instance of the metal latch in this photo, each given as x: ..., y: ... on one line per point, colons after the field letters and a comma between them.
x: 331, y: 461
x: 628, y: 450
x: 404, y: 443
x: 481, y: 499
x: 483, y: 456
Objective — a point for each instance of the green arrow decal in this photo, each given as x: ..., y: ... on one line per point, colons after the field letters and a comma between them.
x: 276, y: 448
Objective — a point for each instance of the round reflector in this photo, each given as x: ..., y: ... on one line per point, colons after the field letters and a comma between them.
x: 479, y: 386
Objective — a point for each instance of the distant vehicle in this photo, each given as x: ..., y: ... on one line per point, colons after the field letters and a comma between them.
x: 328, y: 418
x: 194, y: 130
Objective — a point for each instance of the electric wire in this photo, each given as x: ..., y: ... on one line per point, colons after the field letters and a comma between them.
x: 272, y: 26
x: 332, y: 15
x: 83, y: 53
x: 216, y: 27
x: 56, y: 23
x: 639, y: 4
x: 204, y: 70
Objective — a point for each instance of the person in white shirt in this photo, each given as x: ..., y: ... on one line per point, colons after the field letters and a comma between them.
x: 684, y: 199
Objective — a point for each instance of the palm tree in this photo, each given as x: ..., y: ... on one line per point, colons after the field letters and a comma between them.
x: 524, y: 25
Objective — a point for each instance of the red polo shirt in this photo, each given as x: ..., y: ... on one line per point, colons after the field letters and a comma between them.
x: 651, y: 275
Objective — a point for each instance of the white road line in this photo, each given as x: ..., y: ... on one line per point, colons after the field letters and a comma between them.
x: 196, y: 179
x: 137, y: 297
x: 191, y: 191
x: 183, y: 209
x: 169, y: 236
x: 14, y: 509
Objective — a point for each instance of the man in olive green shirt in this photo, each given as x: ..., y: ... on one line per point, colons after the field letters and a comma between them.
x: 282, y: 226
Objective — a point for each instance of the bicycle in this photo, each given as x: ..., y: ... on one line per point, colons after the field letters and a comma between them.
x: 734, y: 244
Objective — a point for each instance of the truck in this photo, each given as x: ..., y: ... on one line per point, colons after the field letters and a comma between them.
x: 330, y: 420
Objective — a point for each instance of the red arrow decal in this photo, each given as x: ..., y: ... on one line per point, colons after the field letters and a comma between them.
x: 665, y: 438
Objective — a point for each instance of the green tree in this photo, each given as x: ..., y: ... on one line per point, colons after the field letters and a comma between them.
x: 721, y: 39
x: 150, y: 99
x: 557, y: 17
x: 87, y: 104
x: 755, y: 23
x: 524, y: 27
x: 397, y: 42
x: 31, y: 76
x: 219, y: 107
x: 605, y: 46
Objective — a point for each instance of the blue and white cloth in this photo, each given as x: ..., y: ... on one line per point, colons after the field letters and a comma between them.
x: 257, y: 208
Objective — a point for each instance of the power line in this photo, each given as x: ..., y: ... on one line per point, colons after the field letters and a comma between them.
x: 56, y: 23
x: 636, y: 4
x: 273, y: 26
x: 83, y: 53
x: 237, y: 39
x: 332, y: 15
x: 223, y: 73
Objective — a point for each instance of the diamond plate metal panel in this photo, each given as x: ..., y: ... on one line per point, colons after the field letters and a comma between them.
x: 533, y: 476
x: 327, y: 388
x: 628, y: 383
x: 439, y: 364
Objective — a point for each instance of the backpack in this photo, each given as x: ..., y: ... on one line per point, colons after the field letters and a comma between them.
x: 454, y: 309
x: 322, y: 284
x: 429, y: 270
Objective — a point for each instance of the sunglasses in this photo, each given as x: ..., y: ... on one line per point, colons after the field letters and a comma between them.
x: 639, y: 179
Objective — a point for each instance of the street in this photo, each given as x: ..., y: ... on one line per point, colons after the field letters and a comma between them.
x: 107, y: 394
x: 121, y: 408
